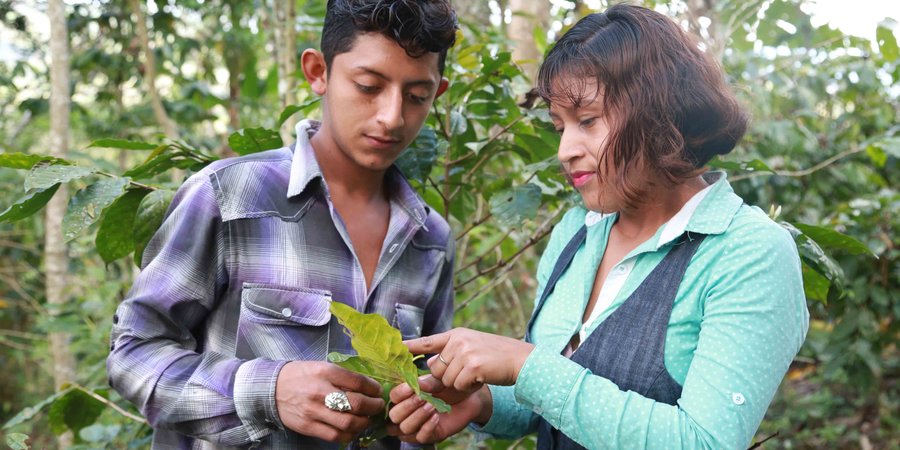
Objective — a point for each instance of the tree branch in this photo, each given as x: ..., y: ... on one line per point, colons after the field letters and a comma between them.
x: 803, y: 172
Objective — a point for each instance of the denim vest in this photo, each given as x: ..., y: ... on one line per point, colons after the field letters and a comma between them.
x: 628, y: 347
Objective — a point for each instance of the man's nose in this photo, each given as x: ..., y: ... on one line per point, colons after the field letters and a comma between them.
x: 390, y: 110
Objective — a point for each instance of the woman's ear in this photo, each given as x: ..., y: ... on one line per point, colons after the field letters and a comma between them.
x: 314, y: 69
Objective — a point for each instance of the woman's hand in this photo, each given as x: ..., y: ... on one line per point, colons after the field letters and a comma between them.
x: 416, y: 421
x: 466, y: 359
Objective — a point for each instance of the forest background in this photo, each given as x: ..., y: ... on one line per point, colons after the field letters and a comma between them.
x: 103, y: 116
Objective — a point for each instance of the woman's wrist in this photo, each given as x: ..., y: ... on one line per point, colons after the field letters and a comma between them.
x: 486, y: 405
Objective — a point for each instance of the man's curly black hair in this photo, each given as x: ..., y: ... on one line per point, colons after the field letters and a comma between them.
x: 418, y: 26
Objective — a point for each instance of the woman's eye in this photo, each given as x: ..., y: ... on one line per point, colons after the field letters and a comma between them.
x: 588, y: 122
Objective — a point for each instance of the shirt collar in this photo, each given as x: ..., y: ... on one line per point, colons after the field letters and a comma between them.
x: 305, y: 169
x: 717, y: 209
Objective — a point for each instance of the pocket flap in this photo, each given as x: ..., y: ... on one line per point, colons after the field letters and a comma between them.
x: 408, y: 319
x: 303, y: 306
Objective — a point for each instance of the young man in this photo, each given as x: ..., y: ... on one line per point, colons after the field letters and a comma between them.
x: 222, y: 340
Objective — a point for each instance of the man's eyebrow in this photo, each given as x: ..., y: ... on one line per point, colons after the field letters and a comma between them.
x: 426, y: 82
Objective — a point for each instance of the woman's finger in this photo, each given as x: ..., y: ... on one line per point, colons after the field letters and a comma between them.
x: 403, y: 391
x: 448, y: 378
x: 428, y: 344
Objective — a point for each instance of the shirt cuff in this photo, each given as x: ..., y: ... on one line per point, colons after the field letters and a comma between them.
x: 504, y: 406
x: 254, y: 397
x: 546, y: 381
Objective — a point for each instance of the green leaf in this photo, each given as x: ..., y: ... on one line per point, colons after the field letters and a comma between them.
x: 887, y: 43
x: 149, y: 217
x: 45, y: 175
x: 290, y: 110
x: 30, y: 411
x: 378, y: 344
x: 86, y: 206
x: 123, y: 144
x: 833, y: 239
x: 381, y: 354
x: 253, y: 140
x: 17, y: 441
x: 74, y: 411
x: 755, y: 165
x: 417, y: 160
x: 812, y: 255
x: 115, y: 237
x: 512, y: 206
x: 31, y: 203
x: 27, y: 161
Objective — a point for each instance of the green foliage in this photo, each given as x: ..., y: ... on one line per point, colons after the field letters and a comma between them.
x: 823, y: 149
x: 74, y: 411
x: 252, y: 140
x: 149, y: 216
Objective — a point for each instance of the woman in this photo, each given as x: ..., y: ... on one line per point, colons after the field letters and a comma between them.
x: 668, y: 310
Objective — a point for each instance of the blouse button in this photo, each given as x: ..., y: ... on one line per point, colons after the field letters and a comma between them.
x: 738, y: 398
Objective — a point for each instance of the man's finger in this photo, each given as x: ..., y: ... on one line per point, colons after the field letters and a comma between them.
x: 428, y: 344
x: 354, y: 382
x: 363, y: 405
x: 430, y: 384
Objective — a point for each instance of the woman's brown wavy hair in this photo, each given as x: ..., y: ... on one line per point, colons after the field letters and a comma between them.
x: 670, y: 108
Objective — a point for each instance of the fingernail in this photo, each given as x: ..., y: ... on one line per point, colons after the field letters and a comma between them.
x: 428, y: 407
x: 424, y: 377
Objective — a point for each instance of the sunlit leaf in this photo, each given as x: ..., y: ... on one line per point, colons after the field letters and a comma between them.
x: 88, y: 204
x: 887, y: 43
x: 381, y: 354
x: 30, y: 411
x: 17, y: 441
x: 290, y: 110
x: 45, y: 175
x: 27, y: 161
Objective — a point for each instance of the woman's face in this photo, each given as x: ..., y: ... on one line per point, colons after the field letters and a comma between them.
x: 584, y: 129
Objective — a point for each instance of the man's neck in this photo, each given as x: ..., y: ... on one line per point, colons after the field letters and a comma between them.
x: 346, y: 180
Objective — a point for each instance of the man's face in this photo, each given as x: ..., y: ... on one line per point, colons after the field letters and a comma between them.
x: 376, y: 98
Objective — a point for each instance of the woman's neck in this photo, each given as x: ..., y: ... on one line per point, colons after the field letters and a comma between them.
x: 639, y: 223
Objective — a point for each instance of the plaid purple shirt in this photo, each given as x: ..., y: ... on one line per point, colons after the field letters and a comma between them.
x: 237, y: 282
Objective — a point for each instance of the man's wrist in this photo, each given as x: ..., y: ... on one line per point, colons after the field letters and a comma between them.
x: 486, y: 405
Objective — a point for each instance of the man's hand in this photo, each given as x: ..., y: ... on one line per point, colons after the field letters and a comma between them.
x: 415, y: 420
x: 300, y: 398
x: 467, y: 359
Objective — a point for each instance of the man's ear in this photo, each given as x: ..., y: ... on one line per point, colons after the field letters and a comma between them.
x: 314, y: 69
x: 442, y: 87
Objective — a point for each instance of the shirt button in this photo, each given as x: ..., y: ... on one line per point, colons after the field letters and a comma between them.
x: 738, y: 398
x: 286, y: 312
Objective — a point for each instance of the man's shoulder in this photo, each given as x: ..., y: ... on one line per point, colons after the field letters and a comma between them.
x: 436, y: 233
x: 248, y: 185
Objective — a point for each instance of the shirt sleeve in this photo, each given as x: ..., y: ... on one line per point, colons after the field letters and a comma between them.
x: 754, y: 322
x: 511, y: 419
x: 155, y: 359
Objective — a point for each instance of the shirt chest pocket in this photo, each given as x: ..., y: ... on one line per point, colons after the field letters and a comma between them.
x: 283, y: 323
x: 408, y: 319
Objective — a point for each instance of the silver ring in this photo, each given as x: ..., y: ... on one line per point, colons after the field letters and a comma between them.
x: 441, y: 359
x: 337, y: 401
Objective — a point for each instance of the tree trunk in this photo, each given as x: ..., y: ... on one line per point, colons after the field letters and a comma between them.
x: 527, y: 16
x: 475, y: 12
x: 285, y: 15
x: 140, y: 21
x: 55, y: 259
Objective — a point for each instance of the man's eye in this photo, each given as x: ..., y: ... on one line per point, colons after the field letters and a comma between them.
x: 366, y: 89
x: 418, y: 99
